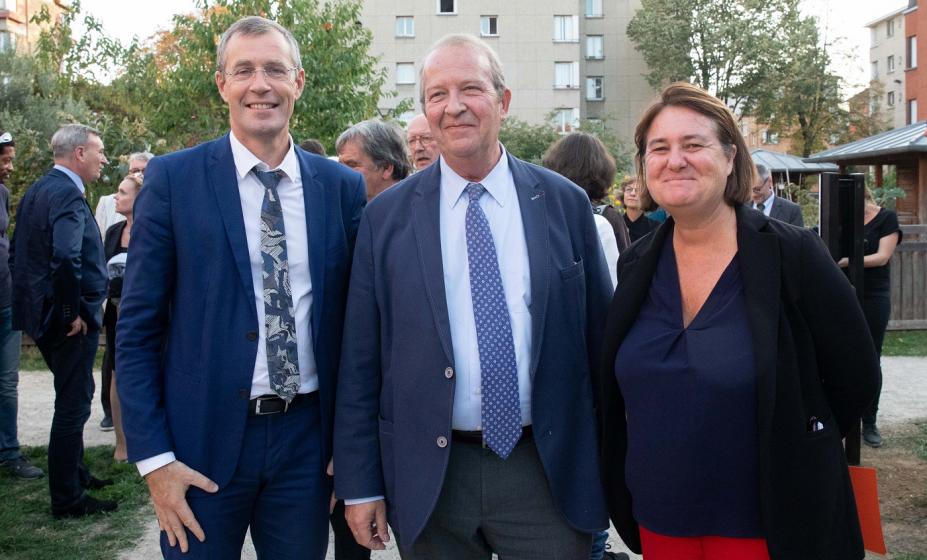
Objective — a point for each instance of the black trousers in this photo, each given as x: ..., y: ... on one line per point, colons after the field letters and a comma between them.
x: 70, y: 359
x: 877, y: 309
x: 109, y: 357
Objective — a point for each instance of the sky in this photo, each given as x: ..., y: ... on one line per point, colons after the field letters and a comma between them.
x: 124, y: 19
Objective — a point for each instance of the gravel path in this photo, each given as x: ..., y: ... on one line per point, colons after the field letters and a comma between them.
x: 904, y: 395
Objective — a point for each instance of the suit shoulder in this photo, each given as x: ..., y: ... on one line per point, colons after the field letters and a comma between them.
x: 398, y: 196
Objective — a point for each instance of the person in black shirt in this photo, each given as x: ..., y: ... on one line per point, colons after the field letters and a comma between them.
x: 881, y: 235
x: 638, y: 224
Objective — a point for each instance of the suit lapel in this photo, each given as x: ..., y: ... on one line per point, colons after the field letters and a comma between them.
x: 224, y: 182
x: 760, y: 265
x: 426, y: 212
x: 533, y: 205
x: 315, y: 208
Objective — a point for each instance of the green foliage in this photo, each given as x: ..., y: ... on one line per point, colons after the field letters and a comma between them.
x: 31, y: 532
x: 529, y: 141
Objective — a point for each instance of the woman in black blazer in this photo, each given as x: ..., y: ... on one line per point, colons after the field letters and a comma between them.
x: 736, y: 357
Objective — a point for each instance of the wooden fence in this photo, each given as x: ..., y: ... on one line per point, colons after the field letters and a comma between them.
x: 909, y: 280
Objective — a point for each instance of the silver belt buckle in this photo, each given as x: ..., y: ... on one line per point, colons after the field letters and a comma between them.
x: 257, y: 406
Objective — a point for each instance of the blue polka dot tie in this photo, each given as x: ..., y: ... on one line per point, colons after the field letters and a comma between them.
x: 279, y: 324
x: 501, y: 406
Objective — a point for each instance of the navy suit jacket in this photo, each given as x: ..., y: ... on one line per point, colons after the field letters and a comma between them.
x: 395, y: 395
x: 56, y: 259
x: 187, y: 334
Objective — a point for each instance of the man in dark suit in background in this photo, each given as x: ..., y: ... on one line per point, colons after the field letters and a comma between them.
x: 475, y: 309
x: 59, y: 282
x: 231, y: 318
x: 766, y: 201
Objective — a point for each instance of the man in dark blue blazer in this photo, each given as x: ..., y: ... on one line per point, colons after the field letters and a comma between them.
x: 59, y: 282
x: 478, y: 291
x: 231, y: 318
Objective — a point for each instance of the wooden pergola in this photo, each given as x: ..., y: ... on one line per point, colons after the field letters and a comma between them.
x: 906, y: 149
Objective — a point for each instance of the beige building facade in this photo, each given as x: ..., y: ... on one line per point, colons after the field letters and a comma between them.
x: 887, y: 66
x: 564, y: 60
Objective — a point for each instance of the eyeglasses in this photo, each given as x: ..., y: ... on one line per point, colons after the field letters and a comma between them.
x: 423, y: 140
x: 273, y: 73
x: 631, y: 190
x: 6, y: 138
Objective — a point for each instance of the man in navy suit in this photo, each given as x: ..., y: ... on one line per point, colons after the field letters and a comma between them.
x: 465, y: 410
x: 231, y: 318
x: 59, y: 282
x: 764, y: 199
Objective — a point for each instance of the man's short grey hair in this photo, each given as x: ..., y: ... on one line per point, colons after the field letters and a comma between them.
x: 141, y: 156
x: 466, y: 41
x: 69, y: 137
x: 763, y: 172
x: 382, y: 142
x: 251, y: 26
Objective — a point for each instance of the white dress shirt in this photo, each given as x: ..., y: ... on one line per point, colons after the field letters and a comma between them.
x: 609, y: 246
x: 500, y: 205
x: 251, y: 192
x: 767, y: 204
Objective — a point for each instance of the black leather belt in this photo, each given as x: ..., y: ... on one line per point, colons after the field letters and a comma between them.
x: 476, y: 437
x: 272, y: 404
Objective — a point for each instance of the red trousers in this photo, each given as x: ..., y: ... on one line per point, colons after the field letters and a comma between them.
x: 662, y: 547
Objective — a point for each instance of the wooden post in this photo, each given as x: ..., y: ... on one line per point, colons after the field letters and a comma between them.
x: 878, y: 176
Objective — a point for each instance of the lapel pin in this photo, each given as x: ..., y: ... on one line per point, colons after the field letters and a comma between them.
x: 538, y: 195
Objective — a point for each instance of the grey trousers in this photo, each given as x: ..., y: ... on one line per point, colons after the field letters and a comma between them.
x: 488, y: 506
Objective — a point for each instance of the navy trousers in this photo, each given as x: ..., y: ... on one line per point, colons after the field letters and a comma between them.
x: 279, y: 490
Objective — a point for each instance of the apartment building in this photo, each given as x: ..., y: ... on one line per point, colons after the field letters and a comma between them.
x: 887, y: 62
x: 564, y: 60
x: 915, y: 85
x: 17, y: 32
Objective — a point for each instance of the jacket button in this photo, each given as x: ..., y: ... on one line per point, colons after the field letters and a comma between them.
x: 252, y: 336
x: 442, y: 442
x: 449, y: 372
x: 244, y: 393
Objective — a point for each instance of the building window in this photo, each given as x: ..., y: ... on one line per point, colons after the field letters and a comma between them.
x: 875, y: 69
x: 594, y: 88
x: 890, y: 65
x: 873, y: 37
x: 912, y: 111
x: 566, y: 29
x: 7, y: 41
x: 595, y: 47
x: 912, y: 52
x: 405, y: 73
x: 447, y: 6
x: 890, y: 28
x: 890, y: 99
x: 566, y: 120
x: 489, y: 26
x: 594, y: 8
x: 405, y: 26
x: 770, y: 137
x: 566, y: 75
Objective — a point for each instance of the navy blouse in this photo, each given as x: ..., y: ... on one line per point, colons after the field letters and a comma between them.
x: 690, y: 398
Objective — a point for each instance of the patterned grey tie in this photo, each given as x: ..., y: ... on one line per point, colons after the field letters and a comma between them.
x: 501, y: 405
x: 279, y: 324
x: 761, y: 207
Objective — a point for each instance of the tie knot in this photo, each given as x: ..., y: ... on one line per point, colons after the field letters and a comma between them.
x: 270, y: 179
x: 475, y: 191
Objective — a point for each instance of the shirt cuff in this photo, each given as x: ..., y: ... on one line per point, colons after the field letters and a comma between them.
x: 357, y: 501
x: 150, y: 464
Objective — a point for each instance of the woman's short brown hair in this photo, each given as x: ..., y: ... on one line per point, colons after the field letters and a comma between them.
x: 583, y: 159
x: 135, y: 178
x: 686, y: 95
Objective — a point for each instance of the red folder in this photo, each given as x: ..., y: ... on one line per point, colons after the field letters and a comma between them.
x: 866, y: 490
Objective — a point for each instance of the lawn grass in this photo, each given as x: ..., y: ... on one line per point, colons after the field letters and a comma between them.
x: 30, y: 359
x: 905, y: 343
x: 918, y: 441
x: 29, y: 531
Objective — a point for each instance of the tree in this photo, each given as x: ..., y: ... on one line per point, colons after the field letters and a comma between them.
x: 730, y: 48
x: 172, y: 79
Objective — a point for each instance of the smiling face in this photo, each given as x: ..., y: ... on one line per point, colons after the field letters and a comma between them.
x: 687, y: 166
x: 90, y: 159
x: 125, y: 197
x: 7, y: 155
x: 260, y: 107
x: 463, y: 109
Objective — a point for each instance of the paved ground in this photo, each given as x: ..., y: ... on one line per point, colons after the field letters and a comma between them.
x: 903, y: 396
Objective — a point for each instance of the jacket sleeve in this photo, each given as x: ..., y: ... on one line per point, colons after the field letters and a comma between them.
x: 66, y: 219
x: 143, y: 318
x: 358, y: 467
x: 847, y: 361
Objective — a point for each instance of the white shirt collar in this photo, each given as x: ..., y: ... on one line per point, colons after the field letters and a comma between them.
x: 453, y: 185
x: 245, y: 160
x: 73, y: 176
x: 766, y: 203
